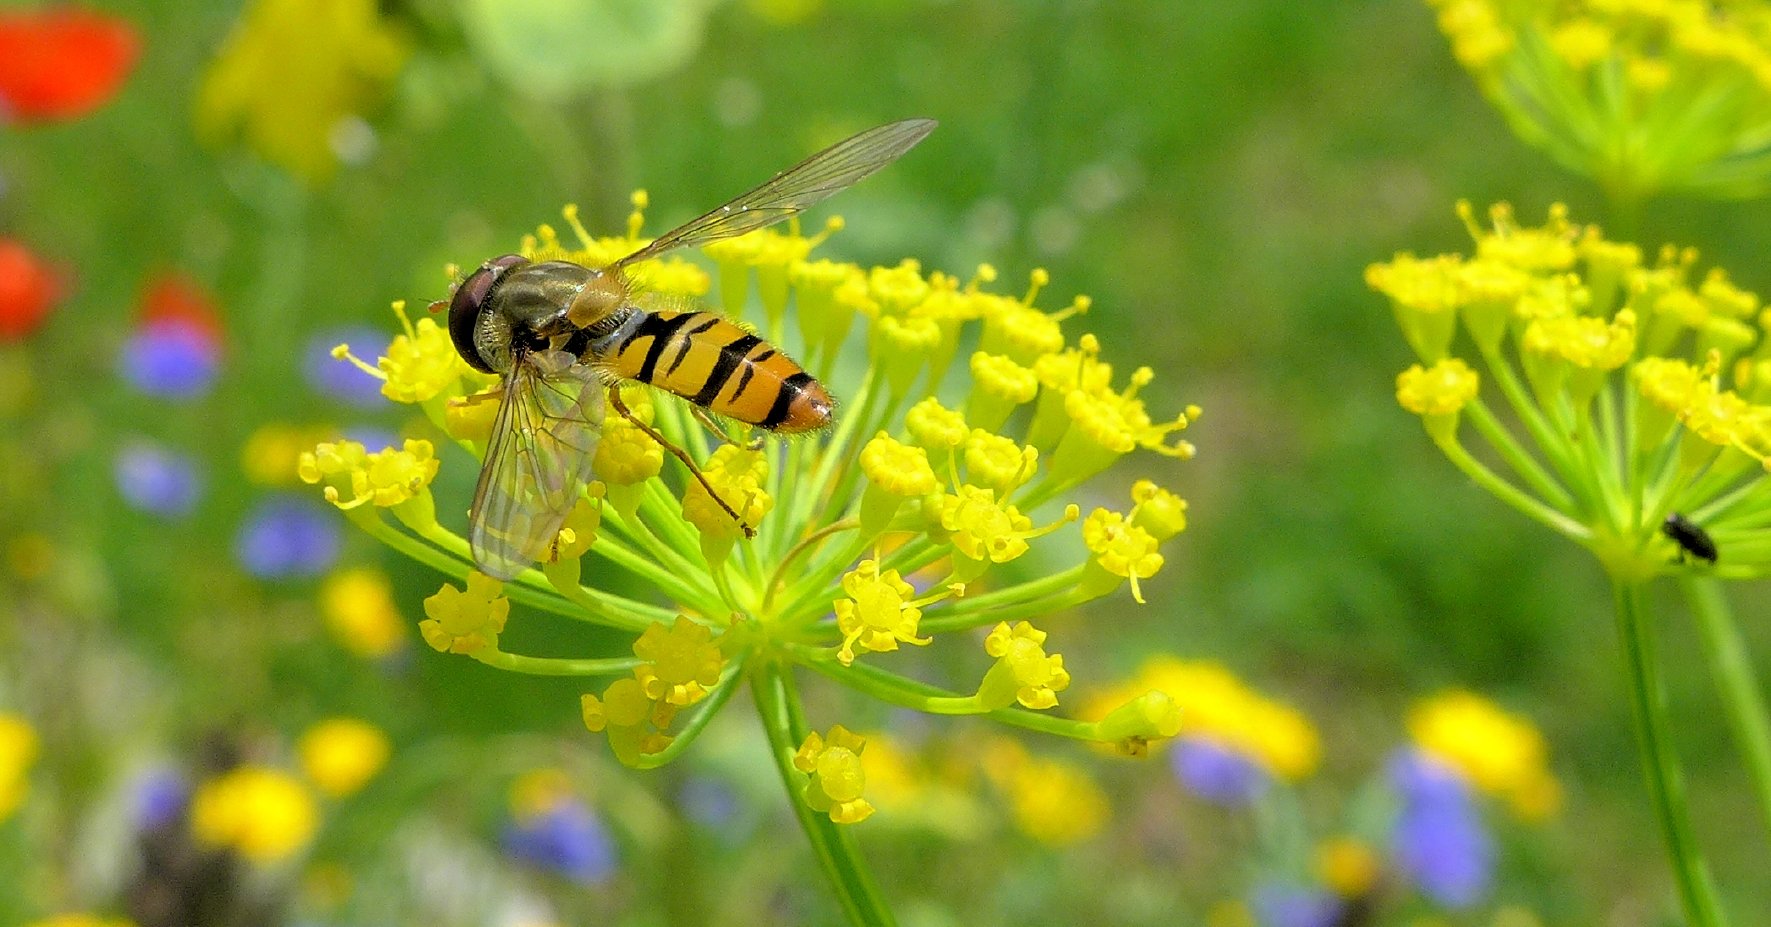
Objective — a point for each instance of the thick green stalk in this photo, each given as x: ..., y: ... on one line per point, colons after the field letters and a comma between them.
x: 1742, y: 696
x: 834, y: 845
x: 1666, y: 782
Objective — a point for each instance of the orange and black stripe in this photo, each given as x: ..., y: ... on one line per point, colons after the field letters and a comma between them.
x: 712, y: 362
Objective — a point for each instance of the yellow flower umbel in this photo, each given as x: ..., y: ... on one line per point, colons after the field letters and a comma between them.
x: 1636, y: 421
x: 1666, y: 95
x: 946, y: 480
x: 1638, y: 389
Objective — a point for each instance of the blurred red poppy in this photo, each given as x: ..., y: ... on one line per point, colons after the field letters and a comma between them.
x: 28, y: 287
x: 172, y: 297
x: 61, y: 63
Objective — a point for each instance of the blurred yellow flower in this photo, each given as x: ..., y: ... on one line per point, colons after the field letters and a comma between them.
x: 263, y: 814
x: 1500, y: 753
x: 1350, y: 867
x: 81, y: 919
x: 296, y: 77
x: 1214, y: 703
x: 1053, y: 801
x: 359, y: 609
x: 1644, y: 97
x: 340, y: 755
x: 18, y: 750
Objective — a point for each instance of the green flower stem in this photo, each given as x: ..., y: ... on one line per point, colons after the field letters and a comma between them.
x: 1666, y: 784
x: 667, y: 512
x: 908, y: 693
x: 710, y: 706
x: 779, y: 578
x: 673, y: 585
x: 1548, y: 442
x: 1604, y: 466
x: 834, y: 845
x: 530, y: 588
x: 1517, y: 456
x: 1742, y: 695
x: 835, y: 453
x: 644, y: 542
x: 965, y: 616
x: 1511, y: 494
x: 556, y: 666
x: 958, y: 611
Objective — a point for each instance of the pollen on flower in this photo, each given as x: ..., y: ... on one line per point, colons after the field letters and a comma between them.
x: 1158, y: 511
x: 470, y: 418
x: 836, y: 778
x: 898, y: 468
x: 466, y: 620
x: 998, y: 462
x: 936, y: 428
x: 578, y: 532
x: 737, y: 474
x: 385, y: 478
x: 1584, y: 341
x: 681, y: 661
x: 261, y: 813
x: 980, y: 528
x: 421, y: 363
x: 1023, y: 671
x: 1121, y: 548
x: 1429, y: 285
x: 1443, y: 389
x: 878, y: 613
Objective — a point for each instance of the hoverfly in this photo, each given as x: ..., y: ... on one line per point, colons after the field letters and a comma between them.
x: 558, y: 334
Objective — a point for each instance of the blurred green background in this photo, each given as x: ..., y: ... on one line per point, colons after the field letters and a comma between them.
x: 1215, y: 174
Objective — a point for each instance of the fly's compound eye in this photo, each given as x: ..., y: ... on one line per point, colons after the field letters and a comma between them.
x: 469, y: 302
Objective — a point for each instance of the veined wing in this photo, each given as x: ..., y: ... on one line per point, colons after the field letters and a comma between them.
x: 794, y: 190
x: 538, y: 461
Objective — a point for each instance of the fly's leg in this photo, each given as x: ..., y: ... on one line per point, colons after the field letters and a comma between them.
x: 719, y: 430
x: 622, y: 410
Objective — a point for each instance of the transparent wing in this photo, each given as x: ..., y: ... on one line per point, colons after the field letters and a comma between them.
x: 537, y: 462
x: 794, y: 190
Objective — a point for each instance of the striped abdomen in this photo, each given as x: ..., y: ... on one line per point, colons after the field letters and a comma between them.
x: 711, y: 362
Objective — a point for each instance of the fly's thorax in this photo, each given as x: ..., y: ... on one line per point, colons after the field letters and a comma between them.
x: 715, y: 363
x: 510, y: 303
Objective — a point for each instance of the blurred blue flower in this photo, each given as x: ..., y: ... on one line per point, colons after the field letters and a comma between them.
x: 159, y: 799
x: 171, y: 358
x: 287, y: 536
x: 372, y: 438
x: 1217, y: 773
x: 1278, y: 904
x: 158, y: 480
x: 1438, y: 838
x: 567, y: 838
x: 339, y: 378
x: 709, y: 802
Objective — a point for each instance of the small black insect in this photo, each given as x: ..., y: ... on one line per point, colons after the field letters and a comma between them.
x: 1691, y: 539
